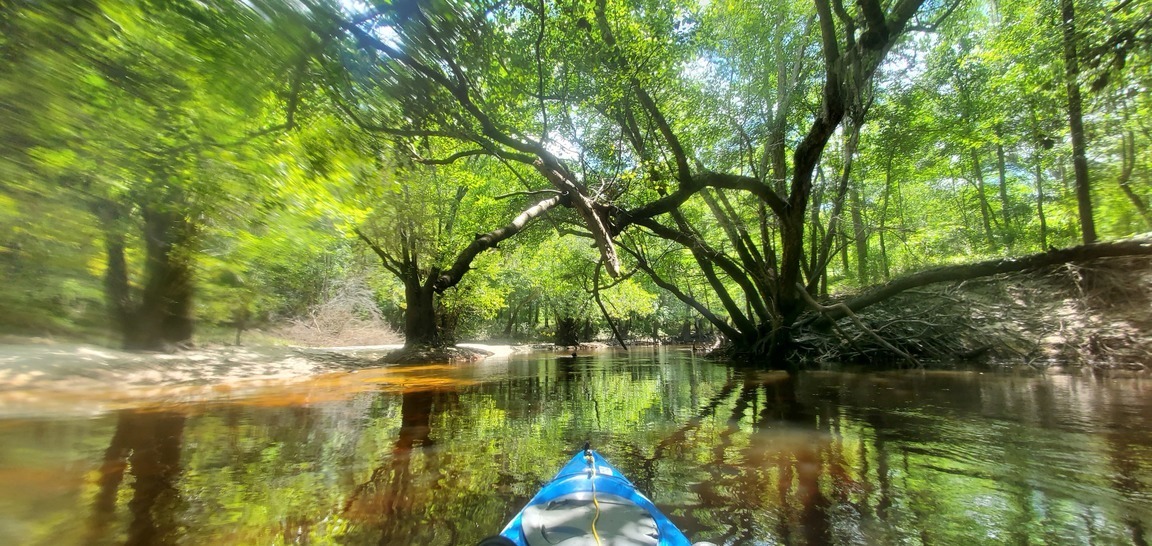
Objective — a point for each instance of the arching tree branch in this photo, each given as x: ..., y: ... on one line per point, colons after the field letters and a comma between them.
x: 716, y: 321
x: 389, y: 263
x: 485, y: 241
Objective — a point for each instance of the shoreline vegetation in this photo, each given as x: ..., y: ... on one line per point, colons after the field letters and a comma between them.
x: 1094, y: 314
x: 1090, y: 318
x: 818, y: 191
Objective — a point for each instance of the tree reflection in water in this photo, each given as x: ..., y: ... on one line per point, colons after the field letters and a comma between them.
x: 1128, y: 446
x: 733, y: 456
x: 738, y: 496
x: 939, y: 458
x: 147, y: 445
x: 393, y: 491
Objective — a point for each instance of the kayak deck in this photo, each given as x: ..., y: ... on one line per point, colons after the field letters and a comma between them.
x: 590, y: 503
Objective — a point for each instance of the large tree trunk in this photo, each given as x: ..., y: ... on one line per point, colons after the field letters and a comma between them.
x: 985, y: 209
x: 567, y: 332
x: 117, y: 294
x: 164, y: 317
x: 420, y: 316
x: 1076, y: 121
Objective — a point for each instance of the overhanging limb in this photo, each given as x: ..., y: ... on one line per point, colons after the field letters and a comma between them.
x: 484, y: 241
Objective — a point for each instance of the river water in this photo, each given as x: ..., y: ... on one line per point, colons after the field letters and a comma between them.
x: 445, y: 454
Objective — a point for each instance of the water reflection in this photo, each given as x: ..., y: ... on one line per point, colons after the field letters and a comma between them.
x: 387, y: 498
x: 146, y: 445
x: 447, y: 456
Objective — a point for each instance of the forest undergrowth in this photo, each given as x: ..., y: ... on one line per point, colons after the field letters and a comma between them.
x: 349, y: 317
x: 1097, y: 314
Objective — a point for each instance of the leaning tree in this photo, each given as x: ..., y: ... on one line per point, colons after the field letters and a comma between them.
x: 666, y: 128
x: 595, y: 99
x: 427, y: 225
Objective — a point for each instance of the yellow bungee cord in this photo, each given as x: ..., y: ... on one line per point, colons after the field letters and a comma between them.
x: 595, y: 502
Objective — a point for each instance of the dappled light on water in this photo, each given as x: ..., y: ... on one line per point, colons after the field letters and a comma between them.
x: 446, y: 454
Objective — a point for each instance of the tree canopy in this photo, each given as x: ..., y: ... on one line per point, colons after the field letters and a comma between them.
x: 605, y: 161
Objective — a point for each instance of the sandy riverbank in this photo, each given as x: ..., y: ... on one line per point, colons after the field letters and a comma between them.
x: 38, y: 377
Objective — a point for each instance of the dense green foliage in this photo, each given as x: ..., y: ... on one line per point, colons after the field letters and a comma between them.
x: 233, y: 163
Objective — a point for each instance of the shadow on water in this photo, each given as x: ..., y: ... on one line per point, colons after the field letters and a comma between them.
x: 930, y: 458
x: 1128, y: 453
x: 446, y: 455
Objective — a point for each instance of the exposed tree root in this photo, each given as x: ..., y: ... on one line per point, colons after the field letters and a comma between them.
x: 434, y: 354
x: 841, y: 308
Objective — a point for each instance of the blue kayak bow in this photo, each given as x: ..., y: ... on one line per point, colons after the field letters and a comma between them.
x: 589, y: 503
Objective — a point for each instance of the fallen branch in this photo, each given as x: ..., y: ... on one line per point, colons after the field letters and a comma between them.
x: 953, y: 273
x: 827, y: 310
